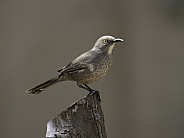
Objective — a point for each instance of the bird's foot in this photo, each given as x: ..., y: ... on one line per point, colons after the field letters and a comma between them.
x: 97, y: 93
x: 94, y: 92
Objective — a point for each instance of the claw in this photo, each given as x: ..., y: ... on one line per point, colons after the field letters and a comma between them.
x: 97, y: 93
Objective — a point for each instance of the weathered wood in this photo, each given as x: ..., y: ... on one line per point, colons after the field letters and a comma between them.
x: 83, y: 119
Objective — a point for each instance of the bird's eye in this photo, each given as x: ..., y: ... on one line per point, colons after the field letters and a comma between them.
x: 105, y: 41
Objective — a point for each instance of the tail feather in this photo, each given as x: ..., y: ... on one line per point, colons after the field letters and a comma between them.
x: 39, y: 88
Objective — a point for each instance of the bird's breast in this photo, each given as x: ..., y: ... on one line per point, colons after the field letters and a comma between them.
x: 96, y: 71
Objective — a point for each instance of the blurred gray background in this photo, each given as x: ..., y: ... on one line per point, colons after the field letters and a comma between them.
x: 142, y: 95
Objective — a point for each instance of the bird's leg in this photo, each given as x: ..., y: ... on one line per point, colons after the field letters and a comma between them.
x: 86, y: 87
x: 91, y: 90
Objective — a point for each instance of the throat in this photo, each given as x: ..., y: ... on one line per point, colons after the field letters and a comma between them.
x: 110, y: 49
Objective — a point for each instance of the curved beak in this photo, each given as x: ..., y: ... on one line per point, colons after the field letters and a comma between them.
x: 118, y: 40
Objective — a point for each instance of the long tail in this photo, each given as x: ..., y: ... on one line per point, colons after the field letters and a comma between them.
x: 39, y: 88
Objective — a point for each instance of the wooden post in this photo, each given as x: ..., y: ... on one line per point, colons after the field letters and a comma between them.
x: 83, y: 119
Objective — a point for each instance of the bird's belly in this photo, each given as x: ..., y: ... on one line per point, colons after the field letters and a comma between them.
x: 91, y: 77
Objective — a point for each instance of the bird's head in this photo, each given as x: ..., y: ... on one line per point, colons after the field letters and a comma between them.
x: 107, y: 43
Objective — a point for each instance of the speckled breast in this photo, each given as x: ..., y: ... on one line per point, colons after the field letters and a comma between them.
x: 99, y: 71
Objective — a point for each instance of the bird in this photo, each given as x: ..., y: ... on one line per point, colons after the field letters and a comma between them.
x: 86, y: 68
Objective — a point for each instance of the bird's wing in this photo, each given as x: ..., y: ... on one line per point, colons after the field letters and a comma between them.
x: 71, y: 68
x: 76, y: 65
x: 80, y: 63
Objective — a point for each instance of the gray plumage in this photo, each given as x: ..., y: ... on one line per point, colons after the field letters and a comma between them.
x: 85, y: 69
